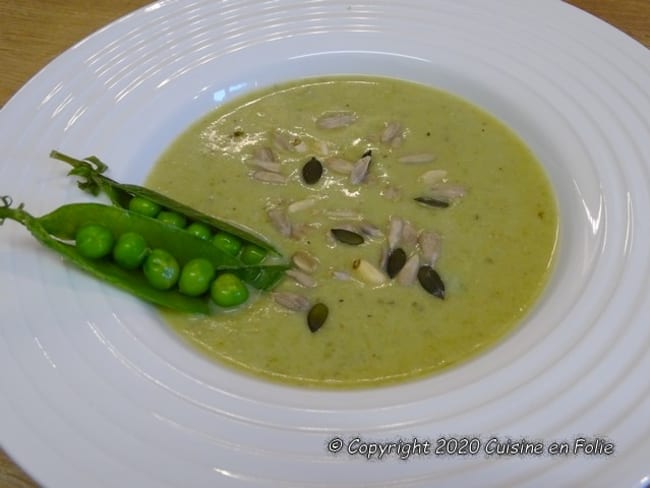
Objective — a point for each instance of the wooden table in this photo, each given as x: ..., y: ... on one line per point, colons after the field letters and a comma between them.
x: 33, y: 32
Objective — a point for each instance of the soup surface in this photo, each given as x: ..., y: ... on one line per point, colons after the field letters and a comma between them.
x: 496, y: 237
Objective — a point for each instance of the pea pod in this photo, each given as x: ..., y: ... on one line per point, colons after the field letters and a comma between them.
x: 57, y: 229
x: 93, y: 181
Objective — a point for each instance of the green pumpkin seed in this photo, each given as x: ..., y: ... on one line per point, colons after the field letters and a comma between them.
x: 317, y: 316
x: 431, y: 281
x: 432, y: 202
x: 312, y: 171
x: 347, y: 237
x: 396, y: 262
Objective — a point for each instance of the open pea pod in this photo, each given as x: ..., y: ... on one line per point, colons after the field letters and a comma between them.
x: 57, y: 229
x: 93, y: 181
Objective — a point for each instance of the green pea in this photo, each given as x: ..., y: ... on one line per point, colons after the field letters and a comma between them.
x: 161, y: 269
x: 144, y: 206
x: 172, y: 218
x: 228, y: 290
x: 227, y: 243
x: 130, y: 250
x: 252, y: 254
x: 196, y: 277
x: 200, y: 230
x: 94, y: 241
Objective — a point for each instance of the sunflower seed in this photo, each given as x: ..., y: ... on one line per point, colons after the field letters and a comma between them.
x: 300, y: 205
x: 282, y: 141
x: 417, y: 158
x: 341, y: 166
x: 370, y: 229
x: 447, y: 192
x: 301, y: 278
x: 305, y: 261
x: 392, y: 130
x: 270, y: 177
x: 335, y: 120
x: 409, y: 236
x: 269, y: 166
x: 433, y: 176
x: 341, y: 275
x: 280, y: 220
x: 264, y: 154
x: 343, y: 215
x: 408, y: 273
x: 395, y: 228
x: 292, y: 301
x: 360, y: 169
x: 429, y: 242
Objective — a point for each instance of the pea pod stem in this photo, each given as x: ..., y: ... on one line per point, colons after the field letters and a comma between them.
x: 54, y: 229
x: 92, y: 180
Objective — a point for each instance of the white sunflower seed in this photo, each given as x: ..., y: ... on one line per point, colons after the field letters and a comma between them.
x: 433, y: 176
x: 302, y: 278
x: 341, y: 166
x: 409, y: 272
x: 335, y: 120
x: 292, y: 301
x: 270, y: 177
x: 300, y: 205
x: 280, y: 220
x: 305, y: 261
x: 447, y: 192
x: 417, y: 158
x: 392, y: 130
x: 430, y: 245
x: 395, y: 228
x: 360, y: 169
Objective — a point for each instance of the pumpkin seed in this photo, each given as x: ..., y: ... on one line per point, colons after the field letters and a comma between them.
x: 312, y: 171
x: 347, y: 237
x: 432, y: 202
x: 317, y: 316
x: 431, y: 281
x: 396, y: 261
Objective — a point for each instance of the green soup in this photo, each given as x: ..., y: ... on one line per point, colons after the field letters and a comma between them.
x: 497, y: 234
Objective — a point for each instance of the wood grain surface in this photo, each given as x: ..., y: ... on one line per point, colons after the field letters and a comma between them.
x: 33, y: 32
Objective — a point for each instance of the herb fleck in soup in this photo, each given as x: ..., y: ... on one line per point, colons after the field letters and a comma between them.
x: 426, y: 228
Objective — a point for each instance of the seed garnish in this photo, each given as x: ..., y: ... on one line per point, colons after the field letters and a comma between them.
x: 432, y: 202
x: 312, y: 171
x: 417, y: 158
x: 347, y: 237
x: 431, y: 281
x: 361, y: 167
x: 408, y: 273
x: 335, y: 120
x: 292, y: 301
x: 317, y: 316
x: 396, y: 261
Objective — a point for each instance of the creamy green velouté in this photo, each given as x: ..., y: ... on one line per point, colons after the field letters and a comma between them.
x: 496, y: 239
